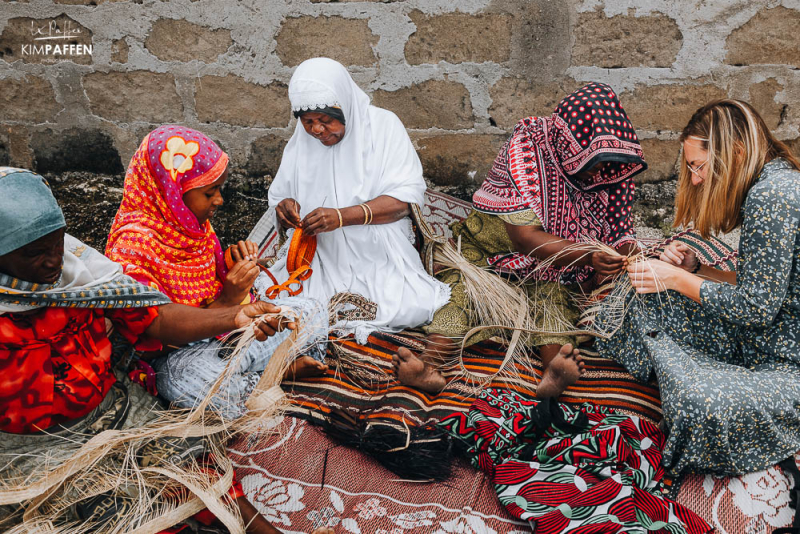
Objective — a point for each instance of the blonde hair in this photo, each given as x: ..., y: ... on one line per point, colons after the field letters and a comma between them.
x: 739, y: 144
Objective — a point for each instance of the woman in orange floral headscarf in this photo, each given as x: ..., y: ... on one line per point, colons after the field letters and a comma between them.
x: 162, y: 235
x: 163, y: 238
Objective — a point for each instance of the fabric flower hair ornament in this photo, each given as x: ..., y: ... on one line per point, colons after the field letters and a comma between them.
x: 177, y: 156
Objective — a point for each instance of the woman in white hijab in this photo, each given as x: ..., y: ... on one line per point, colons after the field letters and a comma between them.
x: 347, y: 176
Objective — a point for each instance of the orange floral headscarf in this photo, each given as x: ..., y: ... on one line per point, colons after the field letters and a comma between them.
x: 155, y: 237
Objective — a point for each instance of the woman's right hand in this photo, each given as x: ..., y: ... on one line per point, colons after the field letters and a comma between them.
x: 238, y: 283
x: 606, y: 265
x: 288, y: 212
x: 680, y: 255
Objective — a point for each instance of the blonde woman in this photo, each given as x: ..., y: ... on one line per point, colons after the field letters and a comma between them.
x: 724, y: 346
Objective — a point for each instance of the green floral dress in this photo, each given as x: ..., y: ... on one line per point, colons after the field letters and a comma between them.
x: 729, y: 367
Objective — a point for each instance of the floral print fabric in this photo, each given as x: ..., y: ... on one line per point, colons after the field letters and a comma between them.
x: 567, y: 470
x: 729, y: 367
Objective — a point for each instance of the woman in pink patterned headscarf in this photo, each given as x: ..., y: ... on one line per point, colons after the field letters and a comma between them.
x: 162, y: 234
x: 561, y: 179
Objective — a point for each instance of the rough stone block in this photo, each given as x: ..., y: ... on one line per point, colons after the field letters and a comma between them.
x: 794, y: 145
x: 771, y: 36
x: 86, y: 2
x: 459, y: 37
x: 458, y: 159
x: 515, y: 98
x: 134, y: 96
x: 762, y: 97
x: 265, y: 155
x: 17, y: 141
x: 181, y: 40
x: 28, y: 99
x: 5, y: 151
x: 667, y: 107
x: 348, y: 41
x: 625, y: 41
x: 661, y: 157
x: 75, y: 149
x: 541, y: 37
x: 26, y: 38
x: 233, y: 100
x: 119, y: 51
x: 430, y: 104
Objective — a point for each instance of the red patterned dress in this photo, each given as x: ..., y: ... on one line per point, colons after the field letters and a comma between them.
x: 55, y: 363
x: 585, y: 470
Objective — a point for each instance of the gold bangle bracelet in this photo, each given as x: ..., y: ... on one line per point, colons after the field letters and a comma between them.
x: 366, y: 214
x: 339, y: 213
x: 370, y: 213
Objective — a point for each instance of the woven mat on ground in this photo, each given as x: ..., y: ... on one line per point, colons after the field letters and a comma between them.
x: 360, y: 379
x: 300, y: 479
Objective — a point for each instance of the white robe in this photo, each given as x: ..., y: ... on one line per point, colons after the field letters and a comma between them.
x: 374, y: 158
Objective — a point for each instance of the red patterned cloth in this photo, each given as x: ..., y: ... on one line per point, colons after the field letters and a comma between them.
x: 155, y: 237
x: 538, y: 167
x: 584, y: 471
x: 55, y: 363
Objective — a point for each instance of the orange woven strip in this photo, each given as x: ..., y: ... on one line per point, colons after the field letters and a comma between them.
x: 298, y: 262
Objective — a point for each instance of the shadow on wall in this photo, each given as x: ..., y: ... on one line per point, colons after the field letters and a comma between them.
x: 75, y: 150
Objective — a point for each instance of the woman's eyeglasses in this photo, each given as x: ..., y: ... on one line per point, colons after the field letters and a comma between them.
x: 696, y: 170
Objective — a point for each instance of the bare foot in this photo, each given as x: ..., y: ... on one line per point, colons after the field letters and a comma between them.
x: 414, y: 372
x: 323, y: 530
x: 563, y: 371
x: 303, y: 367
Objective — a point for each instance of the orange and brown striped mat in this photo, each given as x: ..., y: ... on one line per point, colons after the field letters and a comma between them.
x: 360, y: 381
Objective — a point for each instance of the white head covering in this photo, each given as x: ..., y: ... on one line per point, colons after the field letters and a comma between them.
x: 375, y: 157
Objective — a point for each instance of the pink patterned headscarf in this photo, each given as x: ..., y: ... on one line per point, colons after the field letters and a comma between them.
x: 155, y: 236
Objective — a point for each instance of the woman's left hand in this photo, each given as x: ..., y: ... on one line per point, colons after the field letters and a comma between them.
x: 654, y: 276
x: 320, y: 220
x: 244, y: 250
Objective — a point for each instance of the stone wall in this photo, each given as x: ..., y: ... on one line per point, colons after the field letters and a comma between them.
x: 458, y: 73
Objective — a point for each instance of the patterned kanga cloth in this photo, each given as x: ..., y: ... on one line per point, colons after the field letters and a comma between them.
x: 571, y: 470
x: 360, y: 380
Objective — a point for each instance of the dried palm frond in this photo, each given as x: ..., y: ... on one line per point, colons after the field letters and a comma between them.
x: 609, y: 302
x: 504, y: 307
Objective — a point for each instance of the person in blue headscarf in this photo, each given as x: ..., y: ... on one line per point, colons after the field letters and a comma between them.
x: 59, y: 385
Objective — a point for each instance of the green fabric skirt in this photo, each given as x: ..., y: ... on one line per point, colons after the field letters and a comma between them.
x: 483, y: 236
